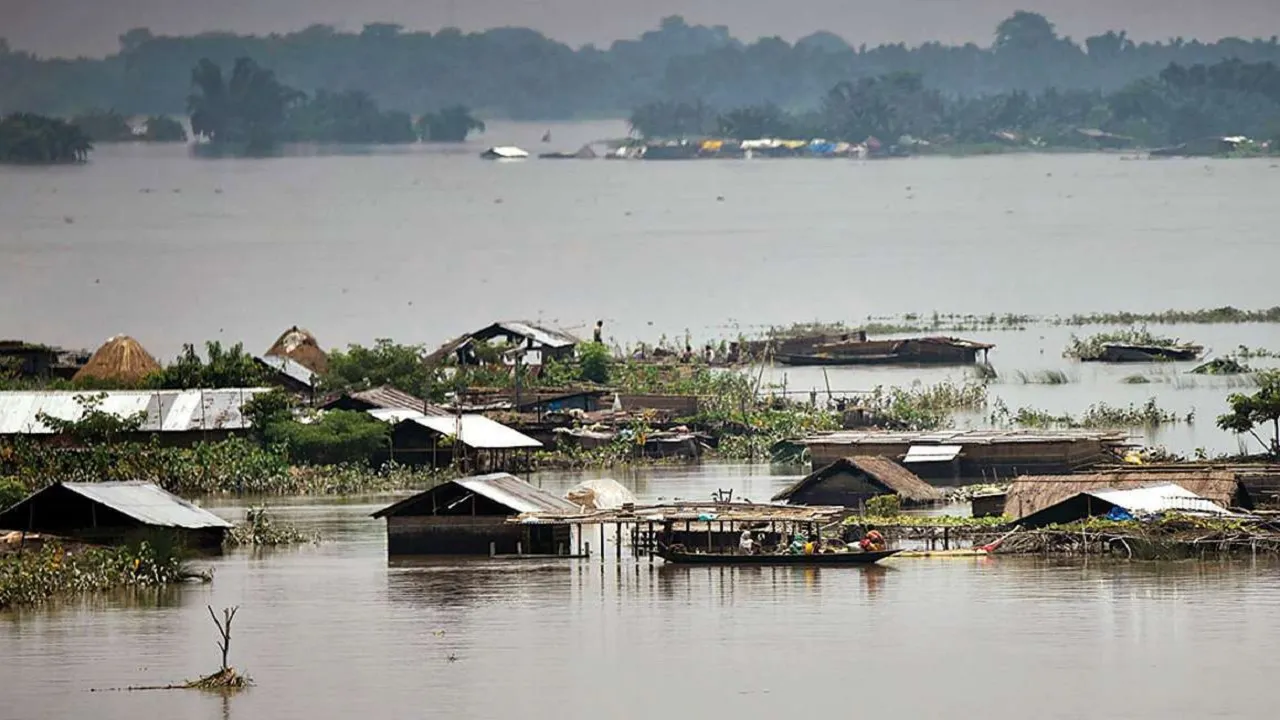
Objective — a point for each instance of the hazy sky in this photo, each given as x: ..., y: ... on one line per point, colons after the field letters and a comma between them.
x: 71, y: 27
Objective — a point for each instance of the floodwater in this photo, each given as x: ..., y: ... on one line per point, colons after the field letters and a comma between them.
x: 336, y: 631
x: 422, y: 243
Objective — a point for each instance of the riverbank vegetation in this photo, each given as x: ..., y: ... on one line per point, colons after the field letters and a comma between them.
x: 1179, y: 106
x: 28, y: 139
x: 251, y: 111
x: 32, y: 577
x: 1098, y: 416
x: 522, y: 74
x: 1093, y: 346
x: 107, y: 126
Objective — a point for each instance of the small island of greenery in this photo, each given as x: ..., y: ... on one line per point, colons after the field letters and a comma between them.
x: 38, y: 140
x: 252, y: 112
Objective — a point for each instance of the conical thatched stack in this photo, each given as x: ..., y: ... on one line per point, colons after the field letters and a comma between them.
x: 120, y: 359
x: 301, y: 347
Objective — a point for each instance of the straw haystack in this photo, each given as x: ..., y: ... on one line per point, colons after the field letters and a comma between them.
x: 120, y: 359
x: 301, y: 347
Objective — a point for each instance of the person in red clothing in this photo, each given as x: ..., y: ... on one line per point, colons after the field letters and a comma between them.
x: 873, y: 541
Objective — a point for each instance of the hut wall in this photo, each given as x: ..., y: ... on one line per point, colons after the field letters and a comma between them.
x: 988, y: 505
x: 846, y: 488
x: 451, y: 535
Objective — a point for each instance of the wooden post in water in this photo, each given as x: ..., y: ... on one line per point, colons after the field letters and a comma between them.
x: 493, y: 549
x: 618, y: 533
x: 602, y: 545
x: 652, y: 542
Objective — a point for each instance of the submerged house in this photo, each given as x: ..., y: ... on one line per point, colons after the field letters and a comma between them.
x: 850, y: 482
x: 469, y: 516
x: 114, y: 512
x: 532, y: 344
x: 475, y: 441
x: 979, y: 455
x: 1125, y: 505
x: 1047, y: 499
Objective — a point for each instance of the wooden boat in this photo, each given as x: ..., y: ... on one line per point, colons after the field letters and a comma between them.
x: 682, y: 557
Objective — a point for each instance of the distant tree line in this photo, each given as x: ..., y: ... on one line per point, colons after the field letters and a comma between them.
x: 519, y: 73
x: 1178, y: 105
x: 34, y: 139
x: 252, y: 110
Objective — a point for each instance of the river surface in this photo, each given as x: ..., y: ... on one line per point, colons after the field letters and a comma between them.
x: 423, y: 243
x: 336, y: 631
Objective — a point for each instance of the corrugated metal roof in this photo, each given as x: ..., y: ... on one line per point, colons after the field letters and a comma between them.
x: 388, y: 397
x: 477, y: 431
x: 962, y: 437
x: 932, y: 453
x: 516, y: 494
x: 542, y: 335
x: 1160, y: 498
x: 149, y: 504
x: 291, y: 369
x: 503, y: 488
x: 165, y: 410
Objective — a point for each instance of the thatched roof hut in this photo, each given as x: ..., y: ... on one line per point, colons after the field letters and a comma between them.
x: 301, y: 347
x: 1032, y: 493
x: 120, y: 359
x: 853, y: 480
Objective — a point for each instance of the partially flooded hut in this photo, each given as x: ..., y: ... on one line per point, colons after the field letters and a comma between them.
x: 1134, y: 503
x: 121, y: 359
x: 534, y: 343
x: 475, y: 441
x: 468, y: 516
x: 383, y: 397
x: 851, y: 481
x: 114, y: 512
x: 1032, y: 494
x: 973, y: 455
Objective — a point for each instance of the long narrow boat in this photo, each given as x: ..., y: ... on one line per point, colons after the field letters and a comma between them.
x: 681, y: 557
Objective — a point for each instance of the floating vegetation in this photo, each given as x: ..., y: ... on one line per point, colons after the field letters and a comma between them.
x: 1244, y: 352
x: 1206, y: 316
x: 32, y: 577
x: 1093, y: 347
x: 1042, y: 377
x: 1099, y: 416
x: 1222, y: 366
x: 1137, y: 380
x: 922, y: 407
x: 261, y: 529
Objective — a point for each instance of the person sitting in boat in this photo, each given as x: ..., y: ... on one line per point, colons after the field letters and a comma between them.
x: 746, y: 543
x: 873, y: 541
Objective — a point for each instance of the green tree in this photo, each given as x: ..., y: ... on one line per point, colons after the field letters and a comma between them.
x: 337, y: 437
x: 94, y: 425
x: 226, y: 368
x: 450, y: 124
x: 348, y: 117
x: 162, y: 128
x: 385, y: 363
x: 265, y: 410
x: 12, y: 492
x: 34, y: 139
x: 1262, y: 408
x: 248, y: 109
x: 104, y: 126
x: 595, y: 361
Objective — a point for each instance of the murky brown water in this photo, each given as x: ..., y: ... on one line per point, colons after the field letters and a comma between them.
x: 334, y: 631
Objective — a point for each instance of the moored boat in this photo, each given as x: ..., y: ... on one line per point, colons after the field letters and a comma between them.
x: 679, y: 556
